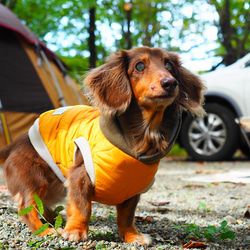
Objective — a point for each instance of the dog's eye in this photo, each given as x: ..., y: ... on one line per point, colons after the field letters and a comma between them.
x: 140, y: 66
x: 169, y: 66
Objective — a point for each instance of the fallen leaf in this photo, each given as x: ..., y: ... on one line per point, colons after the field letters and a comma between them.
x: 155, y: 203
x: 194, y: 244
x: 145, y: 219
x: 194, y: 186
x: 240, y: 184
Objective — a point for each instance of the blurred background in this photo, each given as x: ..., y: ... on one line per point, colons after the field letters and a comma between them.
x: 78, y: 35
x: 82, y: 33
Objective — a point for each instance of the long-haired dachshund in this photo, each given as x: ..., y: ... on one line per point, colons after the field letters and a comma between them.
x: 108, y: 153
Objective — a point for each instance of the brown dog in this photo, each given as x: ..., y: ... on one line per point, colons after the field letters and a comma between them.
x: 140, y: 94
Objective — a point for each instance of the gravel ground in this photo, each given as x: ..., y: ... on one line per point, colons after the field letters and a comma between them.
x: 169, y: 207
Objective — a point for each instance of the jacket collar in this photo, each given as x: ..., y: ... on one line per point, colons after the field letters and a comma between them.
x: 112, y: 130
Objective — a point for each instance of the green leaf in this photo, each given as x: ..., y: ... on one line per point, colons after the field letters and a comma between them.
x: 39, y: 243
x: 100, y: 246
x: 111, y: 216
x: 202, y: 204
x: 208, y: 235
x: 176, y: 227
x: 192, y: 227
x: 25, y: 210
x: 39, y: 204
x: 211, y: 229
x: 223, y: 223
x: 31, y: 243
x: 41, y: 229
x: 58, y: 210
x: 58, y: 221
x: 227, y: 235
x: 223, y: 227
x: 63, y: 248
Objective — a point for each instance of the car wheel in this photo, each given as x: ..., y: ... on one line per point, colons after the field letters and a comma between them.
x: 213, y: 137
x: 245, y: 150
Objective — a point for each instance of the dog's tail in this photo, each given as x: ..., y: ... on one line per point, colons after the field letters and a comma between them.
x: 4, y: 153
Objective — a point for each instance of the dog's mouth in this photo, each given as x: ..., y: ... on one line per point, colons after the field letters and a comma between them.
x: 167, y: 95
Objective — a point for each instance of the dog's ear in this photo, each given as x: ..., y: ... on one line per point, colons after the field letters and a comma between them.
x: 191, y: 96
x: 190, y: 89
x: 109, y: 85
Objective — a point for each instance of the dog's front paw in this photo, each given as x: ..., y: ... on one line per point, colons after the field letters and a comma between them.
x: 76, y: 235
x: 140, y: 239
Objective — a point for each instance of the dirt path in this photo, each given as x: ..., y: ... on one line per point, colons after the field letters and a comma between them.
x: 185, y: 193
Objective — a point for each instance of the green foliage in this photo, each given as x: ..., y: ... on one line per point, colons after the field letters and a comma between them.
x: 101, y: 247
x: 107, y: 235
x: 111, y: 215
x: 41, y: 229
x: 211, y: 232
x: 222, y: 232
x: 2, y: 246
x: 78, y: 63
x: 233, y: 28
x: 40, y: 210
x: 39, y: 204
x: 177, y: 151
x: 192, y: 228
x: 204, y: 206
x: 26, y: 210
x: 57, y: 210
x: 37, y: 243
x: 161, y: 23
x: 59, y: 221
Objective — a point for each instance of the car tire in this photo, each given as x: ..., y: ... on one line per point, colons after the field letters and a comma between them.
x: 214, y: 137
x: 245, y: 150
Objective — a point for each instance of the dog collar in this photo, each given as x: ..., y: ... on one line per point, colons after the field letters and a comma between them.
x: 112, y: 131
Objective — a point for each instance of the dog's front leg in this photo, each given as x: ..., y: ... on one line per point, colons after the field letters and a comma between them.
x: 125, y: 222
x: 79, y: 206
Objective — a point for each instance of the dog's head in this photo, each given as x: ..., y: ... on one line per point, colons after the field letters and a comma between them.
x: 154, y: 77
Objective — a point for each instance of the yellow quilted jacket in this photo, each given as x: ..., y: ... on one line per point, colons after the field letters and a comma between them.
x: 118, y: 176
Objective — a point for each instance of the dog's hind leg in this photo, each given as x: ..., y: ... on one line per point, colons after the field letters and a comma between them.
x: 31, y: 219
x: 125, y: 222
x: 79, y: 206
x: 26, y: 174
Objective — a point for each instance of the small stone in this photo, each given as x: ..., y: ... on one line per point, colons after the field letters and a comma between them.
x: 230, y: 219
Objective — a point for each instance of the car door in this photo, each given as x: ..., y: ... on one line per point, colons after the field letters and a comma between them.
x: 246, y: 72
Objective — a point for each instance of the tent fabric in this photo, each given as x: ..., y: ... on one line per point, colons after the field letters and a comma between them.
x: 32, y: 78
x: 10, y: 21
x: 18, y: 70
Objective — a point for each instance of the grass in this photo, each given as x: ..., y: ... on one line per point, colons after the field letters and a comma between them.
x: 177, y: 151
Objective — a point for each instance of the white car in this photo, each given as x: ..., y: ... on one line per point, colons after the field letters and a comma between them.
x: 217, y: 136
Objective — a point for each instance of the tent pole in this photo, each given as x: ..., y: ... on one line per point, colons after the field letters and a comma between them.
x: 46, y: 60
x: 5, y: 125
x: 69, y: 82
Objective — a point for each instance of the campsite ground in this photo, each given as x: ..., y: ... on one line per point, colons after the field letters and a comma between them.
x: 186, y: 196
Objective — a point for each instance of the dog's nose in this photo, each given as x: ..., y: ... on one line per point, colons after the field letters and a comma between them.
x: 169, y: 83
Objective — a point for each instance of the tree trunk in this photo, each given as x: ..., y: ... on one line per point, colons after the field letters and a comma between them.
x: 91, y: 41
x: 11, y: 4
x: 128, y: 40
x: 227, y: 32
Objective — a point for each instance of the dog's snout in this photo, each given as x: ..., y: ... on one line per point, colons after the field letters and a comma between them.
x: 169, y: 83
